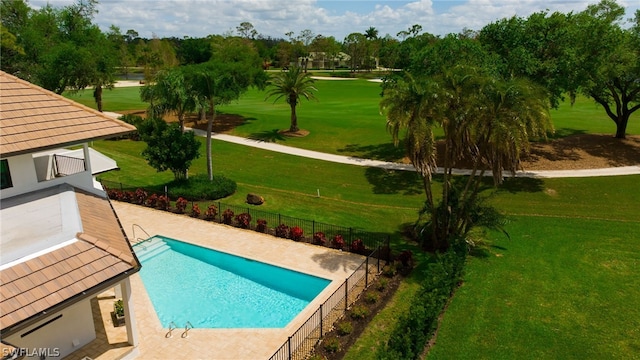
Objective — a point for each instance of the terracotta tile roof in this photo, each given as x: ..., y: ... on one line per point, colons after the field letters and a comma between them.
x: 102, y: 252
x: 34, y: 119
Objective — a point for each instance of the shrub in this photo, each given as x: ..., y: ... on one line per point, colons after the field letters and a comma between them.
x: 296, y: 233
x: 413, y: 329
x: 331, y: 345
x: 282, y: 231
x: 390, y: 270
x: 227, y: 216
x: 382, y: 284
x: 406, y: 258
x: 319, y: 238
x: 139, y: 196
x: 359, y: 312
x: 371, y: 297
x: 195, y: 211
x: 261, y: 225
x: 181, y: 205
x: 127, y: 196
x: 200, y: 188
x: 317, y: 357
x: 243, y: 220
x: 337, y: 242
x: 357, y: 246
x: 211, y: 212
x: 152, y: 201
x: 163, y: 203
x: 113, y: 194
x: 344, y: 328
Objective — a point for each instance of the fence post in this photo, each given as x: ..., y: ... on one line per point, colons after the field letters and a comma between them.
x: 313, y: 227
x: 120, y: 186
x: 289, y: 346
x: 321, y: 317
x: 346, y: 294
x: 366, y: 273
x: 350, y: 236
x: 279, y: 219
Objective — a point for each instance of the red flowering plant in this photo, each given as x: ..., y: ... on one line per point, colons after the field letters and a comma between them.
x: 139, y: 196
x: 357, y: 246
x: 227, y: 216
x: 195, y: 211
x: 319, y: 238
x: 211, y: 212
x: 152, y: 201
x: 282, y: 231
x: 181, y: 205
x: 126, y: 196
x: 261, y: 225
x: 337, y: 242
x: 113, y: 194
x: 296, y: 233
x: 163, y: 203
x: 243, y: 220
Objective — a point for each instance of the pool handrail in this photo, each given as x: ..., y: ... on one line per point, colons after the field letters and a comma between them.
x: 137, y: 240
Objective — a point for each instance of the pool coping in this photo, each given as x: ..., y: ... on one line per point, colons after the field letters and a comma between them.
x: 227, y: 343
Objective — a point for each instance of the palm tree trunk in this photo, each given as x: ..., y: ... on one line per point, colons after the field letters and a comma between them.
x: 97, y: 95
x: 294, y: 117
x: 209, y: 131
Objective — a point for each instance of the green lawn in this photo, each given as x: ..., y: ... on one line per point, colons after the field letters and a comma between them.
x: 561, y: 288
x: 346, y: 118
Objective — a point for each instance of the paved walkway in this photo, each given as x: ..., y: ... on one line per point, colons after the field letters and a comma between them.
x: 350, y: 160
x: 624, y: 170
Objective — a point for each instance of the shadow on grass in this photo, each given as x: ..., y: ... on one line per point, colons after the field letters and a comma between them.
x: 382, y: 152
x: 564, y: 132
x: 517, y: 185
x: 270, y: 136
x: 386, y: 181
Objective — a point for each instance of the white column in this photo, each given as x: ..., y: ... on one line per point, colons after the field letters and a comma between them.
x: 129, y: 314
x: 87, y: 157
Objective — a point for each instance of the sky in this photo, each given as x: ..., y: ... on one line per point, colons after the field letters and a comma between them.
x: 275, y: 18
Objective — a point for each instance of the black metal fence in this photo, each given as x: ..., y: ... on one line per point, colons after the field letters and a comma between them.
x: 302, y: 342
x: 311, y: 231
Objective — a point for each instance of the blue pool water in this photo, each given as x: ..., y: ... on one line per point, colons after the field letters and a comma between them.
x: 212, y: 289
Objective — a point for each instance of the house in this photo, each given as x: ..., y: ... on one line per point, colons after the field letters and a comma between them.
x: 61, y: 243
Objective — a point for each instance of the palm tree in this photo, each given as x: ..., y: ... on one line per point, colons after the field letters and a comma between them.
x: 292, y: 85
x: 486, y: 120
x: 169, y: 93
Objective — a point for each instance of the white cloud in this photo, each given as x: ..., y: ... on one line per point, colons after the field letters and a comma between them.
x: 199, y: 18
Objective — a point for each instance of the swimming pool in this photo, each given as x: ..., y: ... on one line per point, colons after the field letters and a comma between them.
x: 212, y: 289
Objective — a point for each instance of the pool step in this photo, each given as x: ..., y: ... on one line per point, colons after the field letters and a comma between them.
x: 151, y: 248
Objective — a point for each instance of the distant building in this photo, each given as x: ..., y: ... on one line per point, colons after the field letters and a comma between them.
x: 61, y: 243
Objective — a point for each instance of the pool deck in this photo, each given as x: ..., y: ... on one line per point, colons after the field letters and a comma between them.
x: 226, y: 343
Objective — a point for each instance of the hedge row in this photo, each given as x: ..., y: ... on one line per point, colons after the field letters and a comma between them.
x: 415, y: 328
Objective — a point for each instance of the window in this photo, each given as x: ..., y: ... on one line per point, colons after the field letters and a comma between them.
x: 5, y: 175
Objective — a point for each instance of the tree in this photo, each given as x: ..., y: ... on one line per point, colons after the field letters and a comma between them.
x: 355, y: 45
x: 168, y: 148
x: 292, y: 85
x: 485, y: 119
x: 608, y: 61
x: 246, y: 30
x: 169, y: 93
x: 233, y: 68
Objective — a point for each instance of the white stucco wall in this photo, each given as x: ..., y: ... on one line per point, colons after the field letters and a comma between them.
x: 25, y: 178
x: 62, y: 336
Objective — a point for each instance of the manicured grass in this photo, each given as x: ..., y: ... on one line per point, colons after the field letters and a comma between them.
x: 346, y: 118
x: 290, y: 184
x: 561, y: 288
